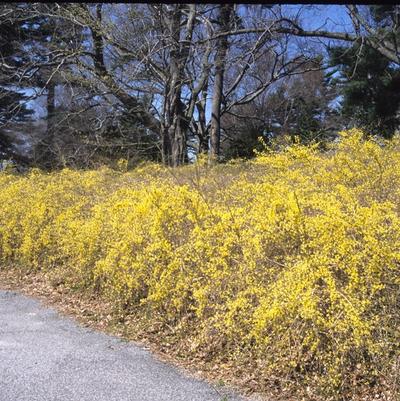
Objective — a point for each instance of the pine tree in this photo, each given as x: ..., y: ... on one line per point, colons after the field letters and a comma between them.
x: 369, y: 83
x: 13, y: 102
x: 12, y: 33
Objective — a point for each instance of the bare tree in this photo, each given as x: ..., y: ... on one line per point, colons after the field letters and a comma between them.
x: 224, y: 20
x: 161, y: 67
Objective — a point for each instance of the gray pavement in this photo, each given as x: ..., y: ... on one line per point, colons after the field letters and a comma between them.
x: 47, y: 357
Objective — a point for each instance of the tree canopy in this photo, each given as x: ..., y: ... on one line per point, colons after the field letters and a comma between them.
x: 167, y: 82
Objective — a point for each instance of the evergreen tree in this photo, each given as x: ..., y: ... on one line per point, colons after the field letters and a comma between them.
x: 13, y: 103
x: 12, y: 32
x: 369, y: 83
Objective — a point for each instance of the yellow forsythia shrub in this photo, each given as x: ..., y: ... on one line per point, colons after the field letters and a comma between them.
x: 290, y: 262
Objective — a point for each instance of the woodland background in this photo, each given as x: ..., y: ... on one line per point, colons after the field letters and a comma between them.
x: 83, y: 85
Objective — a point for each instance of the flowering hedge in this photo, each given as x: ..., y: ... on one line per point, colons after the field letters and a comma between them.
x: 290, y: 261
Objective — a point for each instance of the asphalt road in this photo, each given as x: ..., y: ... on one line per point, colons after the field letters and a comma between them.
x: 47, y: 357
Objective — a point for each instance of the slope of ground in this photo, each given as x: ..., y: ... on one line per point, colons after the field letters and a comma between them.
x: 283, y: 270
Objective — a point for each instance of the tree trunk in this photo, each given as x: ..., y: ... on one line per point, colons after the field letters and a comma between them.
x: 175, y: 121
x: 172, y: 100
x: 225, y: 12
x: 166, y: 150
x: 50, y: 109
x: 202, y: 123
x: 179, y: 142
x: 45, y: 151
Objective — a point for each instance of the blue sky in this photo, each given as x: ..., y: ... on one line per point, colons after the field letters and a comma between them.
x: 333, y: 17
x: 336, y: 16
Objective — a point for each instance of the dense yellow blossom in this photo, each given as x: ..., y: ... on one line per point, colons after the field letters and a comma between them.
x: 291, y: 260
